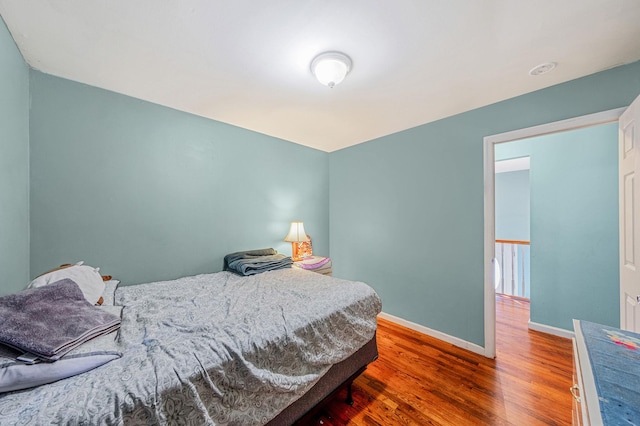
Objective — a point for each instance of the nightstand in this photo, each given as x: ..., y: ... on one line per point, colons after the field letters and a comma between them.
x: 317, y: 264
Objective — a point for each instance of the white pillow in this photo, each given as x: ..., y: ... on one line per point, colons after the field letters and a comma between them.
x: 87, y: 277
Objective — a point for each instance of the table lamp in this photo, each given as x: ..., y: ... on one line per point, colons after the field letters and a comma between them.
x: 296, y: 236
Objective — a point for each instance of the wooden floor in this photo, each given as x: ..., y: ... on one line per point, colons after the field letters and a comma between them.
x: 419, y: 380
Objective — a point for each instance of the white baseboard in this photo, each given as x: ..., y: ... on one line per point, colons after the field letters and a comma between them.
x: 551, y: 330
x: 434, y: 333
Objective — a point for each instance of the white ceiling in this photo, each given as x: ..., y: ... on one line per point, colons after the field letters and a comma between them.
x: 246, y: 62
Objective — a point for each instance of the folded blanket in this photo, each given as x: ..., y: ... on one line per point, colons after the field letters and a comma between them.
x: 315, y: 262
x: 256, y: 261
x: 50, y: 321
x: 16, y: 375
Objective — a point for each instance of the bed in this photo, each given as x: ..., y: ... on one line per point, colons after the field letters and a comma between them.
x: 217, y: 349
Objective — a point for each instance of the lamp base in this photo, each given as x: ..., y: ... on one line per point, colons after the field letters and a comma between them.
x: 301, y: 249
x: 296, y: 251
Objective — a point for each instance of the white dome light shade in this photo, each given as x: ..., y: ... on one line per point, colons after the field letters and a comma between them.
x: 330, y: 68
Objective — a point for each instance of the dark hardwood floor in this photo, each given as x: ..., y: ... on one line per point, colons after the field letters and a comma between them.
x: 419, y: 380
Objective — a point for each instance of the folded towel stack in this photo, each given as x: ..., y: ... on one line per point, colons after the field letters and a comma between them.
x: 52, y: 320
x: 253, y: 262
x: 317, y: 264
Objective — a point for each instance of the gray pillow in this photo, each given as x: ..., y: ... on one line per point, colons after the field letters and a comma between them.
x: 16, y: 375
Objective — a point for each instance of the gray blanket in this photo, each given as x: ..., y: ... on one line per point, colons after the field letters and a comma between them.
x: 50, y: 321
x: 253, y: 262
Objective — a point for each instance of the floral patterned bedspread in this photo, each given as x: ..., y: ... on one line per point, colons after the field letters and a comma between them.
x: 211, y: 349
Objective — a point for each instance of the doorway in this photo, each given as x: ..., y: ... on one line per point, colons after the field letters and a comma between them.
x: 490, y: 143
x: 512, y: 212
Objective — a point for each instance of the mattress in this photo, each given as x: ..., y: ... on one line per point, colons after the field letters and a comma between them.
x: 211, y: 349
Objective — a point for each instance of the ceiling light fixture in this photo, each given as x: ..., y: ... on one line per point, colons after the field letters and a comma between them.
x: 543, y: 68
x: 330, y: 68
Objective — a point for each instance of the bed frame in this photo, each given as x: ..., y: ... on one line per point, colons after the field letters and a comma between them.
x: 339, y: 376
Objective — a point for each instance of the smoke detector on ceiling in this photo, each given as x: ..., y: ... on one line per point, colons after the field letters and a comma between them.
x: 543, y: 68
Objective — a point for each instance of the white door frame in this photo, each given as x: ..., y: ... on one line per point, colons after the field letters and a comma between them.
x: 489, y: 203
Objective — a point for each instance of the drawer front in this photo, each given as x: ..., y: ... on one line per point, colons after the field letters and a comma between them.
x: 579, y: 414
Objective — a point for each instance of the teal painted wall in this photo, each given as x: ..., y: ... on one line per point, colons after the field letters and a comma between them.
x: 14, y: 166
x: 150, y: 193
x: 406, y: 210
x: 574, y: 224
x: 512, y: 205
x: 574, y: 227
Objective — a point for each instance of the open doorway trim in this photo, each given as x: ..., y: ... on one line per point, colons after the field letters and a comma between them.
x: 489, y: 203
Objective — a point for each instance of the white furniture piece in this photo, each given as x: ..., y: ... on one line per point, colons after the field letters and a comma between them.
x: 606, y: 374
x: 586, y: 409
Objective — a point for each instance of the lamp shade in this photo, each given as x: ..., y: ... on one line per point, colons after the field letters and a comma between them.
x: 296, y: 233
x: 330, y: 68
